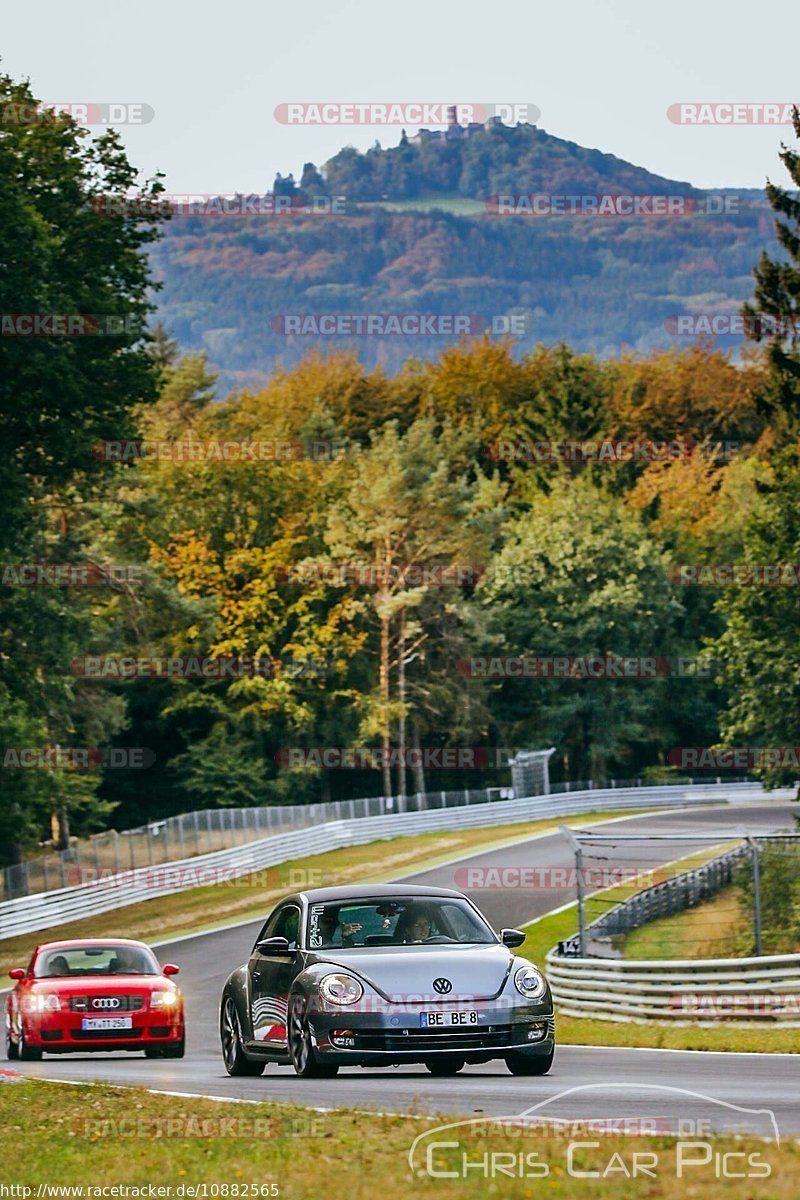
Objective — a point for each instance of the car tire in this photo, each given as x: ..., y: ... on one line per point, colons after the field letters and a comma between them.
x: 12, y: 1049
x: 173, y: 1050
x: 445, y: 1066
x: 524, y: 1064
x: 28, y: 1053
x: 230, y: 1033
x: 301, y: 1048
x: 176, y: 1049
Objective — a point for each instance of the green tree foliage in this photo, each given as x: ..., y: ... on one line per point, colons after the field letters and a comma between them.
x: 777, y: 297
x: 578, y: 576
x: 393, y: 471
x: 63, y: 255
x: 482, y: 162
x: 757, y: 649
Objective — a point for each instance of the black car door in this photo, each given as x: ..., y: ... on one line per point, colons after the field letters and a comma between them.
x: 271, y: 978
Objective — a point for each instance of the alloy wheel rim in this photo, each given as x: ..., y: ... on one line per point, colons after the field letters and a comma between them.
x: 229, y: 1033
x: 300, y: 1041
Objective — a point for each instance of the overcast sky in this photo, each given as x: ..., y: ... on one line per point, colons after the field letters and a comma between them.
x: 602, y: 72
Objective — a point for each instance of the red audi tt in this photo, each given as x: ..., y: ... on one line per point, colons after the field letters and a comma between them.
x: 103, y: 994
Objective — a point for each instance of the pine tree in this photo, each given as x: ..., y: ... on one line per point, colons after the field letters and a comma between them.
x: 775, y: 317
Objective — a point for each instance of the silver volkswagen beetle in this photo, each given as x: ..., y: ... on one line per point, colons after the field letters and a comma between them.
x: 375, y: 976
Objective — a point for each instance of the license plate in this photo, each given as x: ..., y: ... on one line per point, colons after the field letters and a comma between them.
x: 107, y: 1023
x: 448, y: 1018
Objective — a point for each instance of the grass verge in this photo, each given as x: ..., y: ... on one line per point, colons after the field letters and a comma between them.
x: 99, y: 1136
x: 544, y: 933
x: 717, y: 928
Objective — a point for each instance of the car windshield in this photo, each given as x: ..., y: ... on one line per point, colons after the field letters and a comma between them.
x: 396, y: 922
x: 90, y: 959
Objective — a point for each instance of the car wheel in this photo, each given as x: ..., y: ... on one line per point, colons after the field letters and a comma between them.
x: 523, y: 1064
x: 235, y: 1059
x: 445, y: 1066
x: 176, y: 1049
x: 28, y: 1053
x: 12, y: 1049
x: 301, y: 1048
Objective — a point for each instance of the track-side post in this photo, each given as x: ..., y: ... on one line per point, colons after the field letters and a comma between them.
x: 753, y: 844
x: 576, y: 846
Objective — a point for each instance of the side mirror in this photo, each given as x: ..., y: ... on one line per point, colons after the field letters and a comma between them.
x: 169, y: 969
x: 17, y: 973
x: 512, y: 937
x: 273, y: 945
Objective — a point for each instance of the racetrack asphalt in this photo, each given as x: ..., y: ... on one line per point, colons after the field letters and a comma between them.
x: 671, y: 1085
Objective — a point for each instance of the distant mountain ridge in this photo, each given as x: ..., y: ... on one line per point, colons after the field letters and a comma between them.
x: 478, y: 161
x: 416, y: 237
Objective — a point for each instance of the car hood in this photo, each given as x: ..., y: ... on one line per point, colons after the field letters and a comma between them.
x: 408, y: 972
x: 109, y: 985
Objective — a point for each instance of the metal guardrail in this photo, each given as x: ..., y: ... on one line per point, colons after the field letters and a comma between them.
x: 204, y: 831
x: 661, y: 900
x: 113, y: 890
x: 683, y: 991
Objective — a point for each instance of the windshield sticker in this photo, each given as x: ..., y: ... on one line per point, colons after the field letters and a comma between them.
x: 314, y: 935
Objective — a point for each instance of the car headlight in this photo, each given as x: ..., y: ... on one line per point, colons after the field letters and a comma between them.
x: 163, y: 999
x: 41, y: 1003
x: 341, y: 989
x: 530, y: 983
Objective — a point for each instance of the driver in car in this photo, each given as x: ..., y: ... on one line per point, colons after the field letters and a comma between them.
x: 415, y: 927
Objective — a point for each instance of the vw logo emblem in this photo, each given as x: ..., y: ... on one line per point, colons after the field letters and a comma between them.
x: 106, y: 1002
x: 442, y: 986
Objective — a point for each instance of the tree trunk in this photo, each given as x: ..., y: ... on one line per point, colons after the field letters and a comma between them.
x: 384, y: 684
x: 417, y: 768
x: 401, y: 691
x: 59, y: 827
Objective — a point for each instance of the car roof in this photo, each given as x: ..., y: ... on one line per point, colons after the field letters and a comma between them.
x: 377, y: 891
x: 75, y: 943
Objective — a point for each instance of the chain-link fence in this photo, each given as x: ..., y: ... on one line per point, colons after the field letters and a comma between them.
x: 201, y: 832
x: 212, y: 829
x: 663, y: 899
x: 670, y: 896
